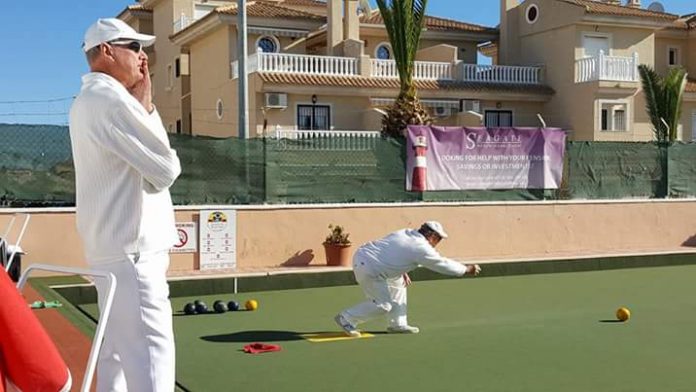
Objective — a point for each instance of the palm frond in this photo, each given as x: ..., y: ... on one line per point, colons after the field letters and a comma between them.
x: 654, y: 101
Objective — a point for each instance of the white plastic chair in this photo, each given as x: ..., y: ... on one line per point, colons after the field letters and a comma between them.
x: 101, y: 324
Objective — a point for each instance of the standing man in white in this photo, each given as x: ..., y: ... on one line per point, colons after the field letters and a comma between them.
x: 381, y: 268
x: 124, y: 167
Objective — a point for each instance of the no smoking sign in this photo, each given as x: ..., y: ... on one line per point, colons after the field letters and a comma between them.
x: 187, y: 238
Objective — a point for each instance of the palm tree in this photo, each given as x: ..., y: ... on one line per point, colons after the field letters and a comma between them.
x: 404, y: 21
x: 664, y: 98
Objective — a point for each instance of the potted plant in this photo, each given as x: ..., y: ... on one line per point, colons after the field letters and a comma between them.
x: 337, y: 247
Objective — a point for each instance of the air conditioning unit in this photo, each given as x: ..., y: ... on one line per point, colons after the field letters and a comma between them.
x: 470, y: 105
x: 442, y: 111
x: 276, y: 100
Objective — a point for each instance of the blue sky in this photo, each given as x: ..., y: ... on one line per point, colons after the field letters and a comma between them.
x: 42, y: 60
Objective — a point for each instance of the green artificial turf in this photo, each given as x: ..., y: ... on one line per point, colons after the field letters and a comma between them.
x: 551, y: 332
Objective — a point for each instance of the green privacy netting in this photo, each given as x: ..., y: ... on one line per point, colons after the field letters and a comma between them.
x: 36, y: 170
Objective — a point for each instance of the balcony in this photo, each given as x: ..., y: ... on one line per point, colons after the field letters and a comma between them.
x: 607, y: 68
x: 423, y: 70
x: 500, y: 74
x: 183, y: 22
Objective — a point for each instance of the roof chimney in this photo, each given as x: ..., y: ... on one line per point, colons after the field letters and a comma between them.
x: 508, y: 29
x: 334, y: 26
x: 633, y: 3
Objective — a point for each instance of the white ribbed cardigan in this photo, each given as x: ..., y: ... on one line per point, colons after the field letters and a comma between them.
x: 124, y: 167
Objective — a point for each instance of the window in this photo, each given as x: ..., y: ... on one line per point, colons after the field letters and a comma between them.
x: 267, y: 44
x: 498, y: 118
x: 532, y: 13
x: 170, y: 77
x: 673, y: 56
x: 594, y: 44
x: 613, y: 116
x: 314, y: 117
x: 177, y: 67
x: 219, y: 109
x: 383, y: 51
x: 178, y: 127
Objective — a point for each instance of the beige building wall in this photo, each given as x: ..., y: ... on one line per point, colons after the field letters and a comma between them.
x: 466, y: 50
x: 576, y: 106
x: 566, y: 109
x: 269, y: 237
x: 166, y: 87
x: 211, y: 82
x: 347, y: 112
x: 662, y: 46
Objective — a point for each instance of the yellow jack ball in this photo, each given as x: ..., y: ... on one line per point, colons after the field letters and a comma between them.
x: 251, y: 304
x: 623, y: 314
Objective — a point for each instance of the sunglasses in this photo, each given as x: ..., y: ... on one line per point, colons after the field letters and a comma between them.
x: 135, y: 46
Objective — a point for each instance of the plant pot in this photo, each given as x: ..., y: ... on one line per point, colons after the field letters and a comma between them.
x: 337, y: 255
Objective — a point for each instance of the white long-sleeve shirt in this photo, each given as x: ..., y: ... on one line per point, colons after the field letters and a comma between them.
x: 124, y: 167
x: 403, y: 251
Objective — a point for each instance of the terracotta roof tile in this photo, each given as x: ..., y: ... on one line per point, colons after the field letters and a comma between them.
x: 362, y: 82
x: 136, y: 9
x: 434, y: 23
x: 268, y: 10
x: 692, y: 22
x: 139, y: 7
x: 311, y: 3
x: 596, y: 7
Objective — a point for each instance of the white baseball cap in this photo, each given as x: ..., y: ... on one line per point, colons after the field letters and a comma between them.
x: 111, y: 29
x: 436, y: 227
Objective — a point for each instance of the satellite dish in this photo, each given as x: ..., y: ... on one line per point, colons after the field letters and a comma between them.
x: 365, y: 7
x: 656, y: 6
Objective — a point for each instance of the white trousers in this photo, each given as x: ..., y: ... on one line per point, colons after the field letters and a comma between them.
x: 137, y: 354
x: 384, y: 297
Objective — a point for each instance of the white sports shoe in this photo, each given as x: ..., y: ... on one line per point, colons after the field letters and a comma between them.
x: 347, y: 327
x: 403, y: 329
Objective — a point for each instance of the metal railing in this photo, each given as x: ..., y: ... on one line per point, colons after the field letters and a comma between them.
x: 607, y: 68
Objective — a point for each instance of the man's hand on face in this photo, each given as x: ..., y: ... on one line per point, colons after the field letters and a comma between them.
x: 142, y: 90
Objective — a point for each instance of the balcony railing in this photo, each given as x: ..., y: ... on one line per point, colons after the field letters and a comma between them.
x: 501, y: 74
x: 423, y: 70
x: 182, y: 23
x: 305, y: 64
x: 607, y: 68
x: 333, y: 140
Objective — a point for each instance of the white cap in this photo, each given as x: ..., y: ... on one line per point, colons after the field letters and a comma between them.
x: 111, y: 29
x: 436, y: 227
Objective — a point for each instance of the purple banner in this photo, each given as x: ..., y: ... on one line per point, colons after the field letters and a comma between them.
x: 456, y: 158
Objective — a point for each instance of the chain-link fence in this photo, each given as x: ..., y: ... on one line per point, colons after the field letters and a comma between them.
x: 36, y: 170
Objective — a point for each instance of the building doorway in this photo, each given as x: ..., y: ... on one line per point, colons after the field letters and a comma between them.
x: 498, y: 118
x: 314, y: 117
